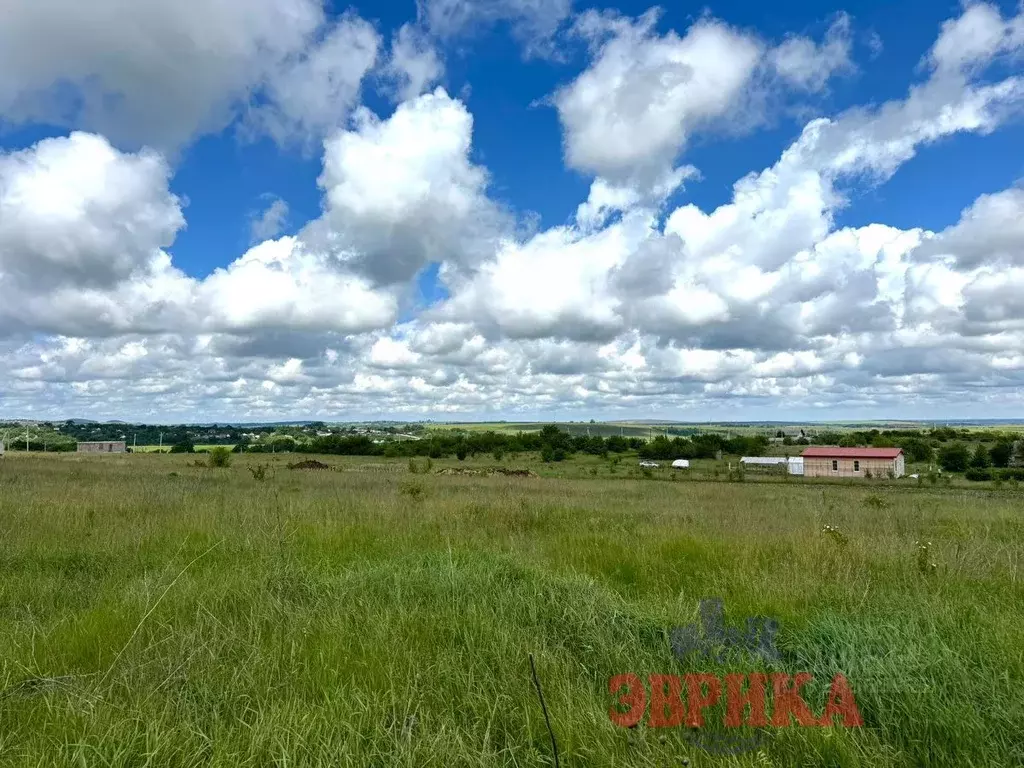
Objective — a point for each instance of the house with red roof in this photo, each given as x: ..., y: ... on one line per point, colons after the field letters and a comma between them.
x: 828, y: 461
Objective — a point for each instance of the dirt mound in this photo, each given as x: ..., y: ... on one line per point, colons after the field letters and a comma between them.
x: 487, y: 472
x: 311, y: 464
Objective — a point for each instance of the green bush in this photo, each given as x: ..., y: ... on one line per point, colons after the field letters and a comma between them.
x: 220, y: 457
x: 954, y: 458
x: 981, y: 458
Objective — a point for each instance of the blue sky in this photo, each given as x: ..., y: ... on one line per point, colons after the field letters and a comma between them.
x: 519, y: 141
x: 286, y: 209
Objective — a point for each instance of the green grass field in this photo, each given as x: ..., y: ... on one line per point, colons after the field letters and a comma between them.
x: 155, y: 613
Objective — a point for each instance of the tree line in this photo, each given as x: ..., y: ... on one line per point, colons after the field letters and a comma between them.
x: 553, y: 444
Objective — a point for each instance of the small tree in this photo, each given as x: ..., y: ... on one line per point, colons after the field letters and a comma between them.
x: 220, y: 457
x: 1000, y: 453
x: 183, y: 446
x: 981, y: 458
x: 954, y: 457
x: 917, y: 450
x: 460, y: 453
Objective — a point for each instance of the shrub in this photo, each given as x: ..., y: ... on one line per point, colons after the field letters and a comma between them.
x: 1000, y: 453
x: 917, y: 450
x: 954, y: 458
x: 833, y: 534
x: 977, y: 473
x: 414, y: 490
x: 220, y: 457
x: 417, y: 468
x: 981, y: 458
x: 875, y: 502
x: 259, y: 472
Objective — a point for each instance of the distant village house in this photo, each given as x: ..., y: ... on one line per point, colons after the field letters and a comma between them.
x: 112, y: 446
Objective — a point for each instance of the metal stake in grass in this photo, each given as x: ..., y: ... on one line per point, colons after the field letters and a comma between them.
x: 544, y: 708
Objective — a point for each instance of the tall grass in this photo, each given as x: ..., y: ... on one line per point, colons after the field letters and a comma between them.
x: 153, y: 612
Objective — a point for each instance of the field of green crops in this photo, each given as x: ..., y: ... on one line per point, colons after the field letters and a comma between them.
x: 156, y: 612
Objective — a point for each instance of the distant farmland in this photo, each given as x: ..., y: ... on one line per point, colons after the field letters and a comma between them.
x: 651, y: 429
x: 606, y: 429
x: 601, y: 429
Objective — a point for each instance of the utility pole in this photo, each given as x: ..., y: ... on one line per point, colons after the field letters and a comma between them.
x: 161, y: 442
x: 26, y: 439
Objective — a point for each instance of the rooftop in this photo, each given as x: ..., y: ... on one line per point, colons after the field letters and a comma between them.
x: 832, y: 452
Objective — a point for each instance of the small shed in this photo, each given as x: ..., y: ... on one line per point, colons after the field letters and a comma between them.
x: 107, y: 446
x: 681, y: 464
